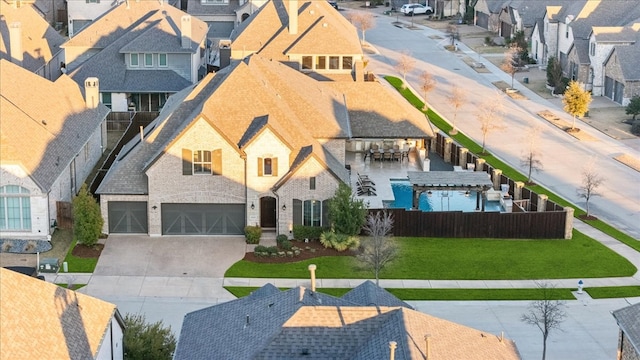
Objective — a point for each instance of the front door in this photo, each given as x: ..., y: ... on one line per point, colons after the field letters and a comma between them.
x: 268, y: 212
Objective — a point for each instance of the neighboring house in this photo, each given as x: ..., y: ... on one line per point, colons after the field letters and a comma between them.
x: 446, y: 8
x: 222, y: 16
x: 258, y: 143
x: 487, y: 14
x: 26, y: 39
x: 628, y: 319
x: 621, y: 71
x: 41, y: 320
x: 365, y: 323
x: 307, y: 35
x: 142, y: 52
x: 51, y: 138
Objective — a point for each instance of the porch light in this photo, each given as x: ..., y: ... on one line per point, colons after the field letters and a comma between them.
x: 284, y: 207
x: 252, y: 206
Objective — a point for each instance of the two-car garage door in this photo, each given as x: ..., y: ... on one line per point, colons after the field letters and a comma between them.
x: 178, y: 219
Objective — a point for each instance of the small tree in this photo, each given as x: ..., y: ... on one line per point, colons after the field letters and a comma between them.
x: 490, y: 116
x: 554, y: 73
x: 405, y: 64
x: 511, y: 61
x: 346, y: 213
x: 147, y: 341
x: 363, y: 21
x: 576, y: 101
x: 456, y: 100
x: 591, y: 180
x: 427, y: 84
x: 452, y: 33
x: 87, y: 221
x: 378, y: 249
x: 547, y: 314
x: 633, y: 108
x: 531, y: 158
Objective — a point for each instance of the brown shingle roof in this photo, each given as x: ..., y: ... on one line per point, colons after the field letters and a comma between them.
x: 40, y: 320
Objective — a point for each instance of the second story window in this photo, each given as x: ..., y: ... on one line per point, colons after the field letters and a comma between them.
x: 592, y: 50
x: 148, y: 60
x: 321, y: 62
x: 134, y: 60
x: 162, y: 60
x: 214, y: 2
x: 334, y: 62
x: 312, y: 183
x: 201, y: 162
x: 267, y: 166
x: 307, y: 62
x: 347, y: 62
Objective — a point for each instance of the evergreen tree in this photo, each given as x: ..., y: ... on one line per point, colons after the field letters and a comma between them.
x: 346, y: 213
x: 634, y: 107
x: 147, y: 341
x: 87, y: 221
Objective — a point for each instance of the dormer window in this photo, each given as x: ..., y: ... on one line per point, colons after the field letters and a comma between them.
x: 148, y: 60
x: 162, y: 60
x: 214, y: 2
x: 134, y: 60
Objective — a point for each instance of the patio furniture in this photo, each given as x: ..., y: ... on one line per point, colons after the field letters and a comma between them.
x: 377, y: 155
x: 388, y: 154
x: 365, y: 179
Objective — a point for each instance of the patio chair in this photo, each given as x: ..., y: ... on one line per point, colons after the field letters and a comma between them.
x: 365, y: 179
x: 377, y: 155
x: 397, y: 155
x: 388, y: 155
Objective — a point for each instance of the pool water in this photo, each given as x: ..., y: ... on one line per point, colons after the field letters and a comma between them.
x: 439, y: 200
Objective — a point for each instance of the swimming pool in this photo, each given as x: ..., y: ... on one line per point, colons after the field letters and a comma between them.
x: 439, y: 200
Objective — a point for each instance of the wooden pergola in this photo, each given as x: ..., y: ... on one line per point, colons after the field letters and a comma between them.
x: 425, y: 181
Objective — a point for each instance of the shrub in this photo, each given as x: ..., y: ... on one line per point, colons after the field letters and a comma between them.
x: 260, y: 248
x: 301, y: 232
x: 252, y: 234
x: 280, y: 238
x: 488, y: 41
x: 87, y: 221
x: 286, y: 245
x: 327, y: 239
x: 143, y: 340
x: 635, y: 127
x: 339, y: 242
x: 346, y: 212
x: 272, y: 250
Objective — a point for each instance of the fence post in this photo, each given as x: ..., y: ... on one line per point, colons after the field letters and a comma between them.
x: 542, y: 202
x: 517, y: 191
x: 568, y: 222
x: 462, y: 157
x: 496, y: 178
x: 447, y: 150
x: 480, y: 164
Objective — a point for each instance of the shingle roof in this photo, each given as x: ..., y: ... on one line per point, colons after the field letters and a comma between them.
x: 40, y: 320
x: 145, y: 26
x: 370, y: 294
x: 615, y: 33
x: 603, y: 13
x: 628, y: 319
x: 196, y: 7
x: 40, y: 42
x: 44, y: 124
x: 298, y: 324
x: 319, y: 31
x: 628, y: 59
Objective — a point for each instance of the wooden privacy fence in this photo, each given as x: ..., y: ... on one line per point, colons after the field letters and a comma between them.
x: 64, y: 218
x: 455, y: 224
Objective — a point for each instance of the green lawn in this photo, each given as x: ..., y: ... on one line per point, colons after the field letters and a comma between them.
x: 80, y: 265
x: 441, y: 294
x: 465, y: 259
x: 613, y: 292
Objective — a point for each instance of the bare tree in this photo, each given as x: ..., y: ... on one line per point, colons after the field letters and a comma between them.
x: 456, y: 99
x: 405, y: 64
x: 511, y: 61
x: 363, y: 21
x: 452, y: 33
x: 531, y: 157
x: 591, y: 180
x: 547, y: 314
x: 490, y: 116
x: 378, y: 249
x: 427, y: 83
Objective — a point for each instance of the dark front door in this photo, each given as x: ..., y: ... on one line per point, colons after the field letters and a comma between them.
x: 268, y: 212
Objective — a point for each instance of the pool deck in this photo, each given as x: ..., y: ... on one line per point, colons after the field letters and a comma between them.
x: 381, y: 172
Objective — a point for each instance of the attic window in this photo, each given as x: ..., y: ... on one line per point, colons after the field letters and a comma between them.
x: 214, y: 2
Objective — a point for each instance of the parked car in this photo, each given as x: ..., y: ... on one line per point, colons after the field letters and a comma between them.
x: 334, y: 4
x: 415, y: 9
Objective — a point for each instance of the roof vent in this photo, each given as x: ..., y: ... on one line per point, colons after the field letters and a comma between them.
x: 44, y: 122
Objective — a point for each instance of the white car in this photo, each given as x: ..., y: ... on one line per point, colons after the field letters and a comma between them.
x: 415, y: 9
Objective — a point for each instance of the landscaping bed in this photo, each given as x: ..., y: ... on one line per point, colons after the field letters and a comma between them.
x: 308, y: 250
x: 83, y: 251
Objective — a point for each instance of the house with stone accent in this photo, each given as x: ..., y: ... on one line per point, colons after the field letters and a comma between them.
x: 41, y: 320
x: 366, y: 323
x: 142, y: 52
x: 257, y: 143
x: 51, y: 137
x: 27, y: 39
x: 628, y: 320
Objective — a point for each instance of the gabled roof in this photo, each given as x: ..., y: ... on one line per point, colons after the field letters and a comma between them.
x: 139, y: 27
x: 196, y: 7
x: 40, y: 320
x: 44, y: 124
x: 603, y: 13
x: 297, y: 323
x: 628, y: 59
x: 320, y: 31
x: 628, y: 319
x: 620, y: 34
x: 370, y: 294
x: 40, y: 42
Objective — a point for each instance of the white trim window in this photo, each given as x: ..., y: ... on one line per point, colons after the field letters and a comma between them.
x: 134, y: 60
x: 148, y: 60
x: 162, y: 60
x: 202, y: 162
x: 214, y: 2
x: 15, y: 208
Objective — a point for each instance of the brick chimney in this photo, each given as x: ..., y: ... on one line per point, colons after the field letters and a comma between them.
x: 15, y: 42
x: 92, y: 92
x: 293, y: 17
x: 185, y: 30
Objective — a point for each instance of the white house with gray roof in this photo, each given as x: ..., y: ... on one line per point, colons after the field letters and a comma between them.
x: 245, y: 147
x: 142, y: 52
x: 51, y: 138
x: 222, y: 16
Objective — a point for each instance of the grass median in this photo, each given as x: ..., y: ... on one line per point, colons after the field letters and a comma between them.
x: 464, y: 259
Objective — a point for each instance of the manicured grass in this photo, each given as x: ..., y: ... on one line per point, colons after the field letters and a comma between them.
x: 613, y: 292
x: 441, y: 294
x: 80, y: 265
x: 465, y: 259
x: 507, y: 170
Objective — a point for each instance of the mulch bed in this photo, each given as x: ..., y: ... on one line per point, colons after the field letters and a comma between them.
x: 83, y: 251
x: 305, y: 253
x: 585, y: 217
